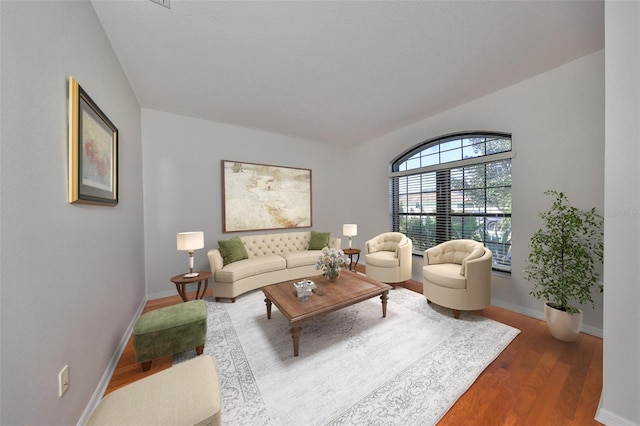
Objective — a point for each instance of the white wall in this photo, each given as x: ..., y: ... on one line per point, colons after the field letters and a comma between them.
x: 71, y: 276
x: 183, y: 185
x: 621, y: 366
x: 557, y: 123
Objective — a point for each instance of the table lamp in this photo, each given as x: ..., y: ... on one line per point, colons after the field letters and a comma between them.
x: 349, y: 230
x: 190, y: 241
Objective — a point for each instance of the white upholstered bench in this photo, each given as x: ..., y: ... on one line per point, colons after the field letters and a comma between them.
x: 185, y: 394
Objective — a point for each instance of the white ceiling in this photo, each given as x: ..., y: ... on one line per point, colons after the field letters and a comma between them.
x: 339, y: 72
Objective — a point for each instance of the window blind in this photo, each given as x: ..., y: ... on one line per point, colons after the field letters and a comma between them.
x: 453, y: 188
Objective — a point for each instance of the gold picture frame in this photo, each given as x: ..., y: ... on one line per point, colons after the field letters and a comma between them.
x: 93, y: 151
x: 264, y: 197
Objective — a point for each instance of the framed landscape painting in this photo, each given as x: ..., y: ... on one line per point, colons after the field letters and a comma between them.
x: 260, y: 197
x: 93, y: 151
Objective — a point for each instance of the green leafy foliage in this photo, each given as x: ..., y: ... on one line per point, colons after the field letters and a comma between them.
x: 564, y: 252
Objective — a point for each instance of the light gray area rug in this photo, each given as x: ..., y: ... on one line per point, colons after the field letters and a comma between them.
x: 355, y: 367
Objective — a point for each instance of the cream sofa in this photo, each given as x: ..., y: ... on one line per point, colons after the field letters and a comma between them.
x: 272, y: 258
x: 457, y: 275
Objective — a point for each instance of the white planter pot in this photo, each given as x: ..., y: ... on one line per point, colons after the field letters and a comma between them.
x: 563, y: 326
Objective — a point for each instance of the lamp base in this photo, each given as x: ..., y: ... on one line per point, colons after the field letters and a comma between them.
x: 191, y: 275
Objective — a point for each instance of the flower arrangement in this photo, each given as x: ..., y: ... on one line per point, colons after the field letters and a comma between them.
x: 331, y: 261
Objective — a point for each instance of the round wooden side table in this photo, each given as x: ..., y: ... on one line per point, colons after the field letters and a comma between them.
x: 181, y: 283
x: 350, y: 252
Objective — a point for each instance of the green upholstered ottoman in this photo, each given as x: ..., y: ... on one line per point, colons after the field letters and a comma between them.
x: 170, y: 330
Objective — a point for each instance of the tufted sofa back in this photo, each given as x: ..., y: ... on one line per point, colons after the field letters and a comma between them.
x: 389, y: 241
x: 267, y: 244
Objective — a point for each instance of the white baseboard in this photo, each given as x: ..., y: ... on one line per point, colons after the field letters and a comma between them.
x: 111, y: 367
x: 160, y: 295
x: 587, y: 329
x: 606, y: 417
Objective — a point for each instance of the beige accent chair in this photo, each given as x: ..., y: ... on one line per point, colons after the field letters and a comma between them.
x: 185, y: 394
x: 457, y: 275
x: 388, y: 257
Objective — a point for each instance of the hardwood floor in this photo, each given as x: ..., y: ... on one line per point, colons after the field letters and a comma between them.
x: 536, y: 380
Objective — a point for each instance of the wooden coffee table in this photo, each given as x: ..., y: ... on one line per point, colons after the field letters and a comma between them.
x: 349, y: 289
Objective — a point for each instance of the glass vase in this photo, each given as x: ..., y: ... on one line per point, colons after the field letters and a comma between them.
x: 332, y: 274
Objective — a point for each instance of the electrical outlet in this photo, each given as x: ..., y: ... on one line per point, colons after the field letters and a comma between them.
x: 63, y: 380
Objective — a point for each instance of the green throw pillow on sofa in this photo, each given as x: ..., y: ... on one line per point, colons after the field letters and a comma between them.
x: 319, y: 240
x: 232, y: 250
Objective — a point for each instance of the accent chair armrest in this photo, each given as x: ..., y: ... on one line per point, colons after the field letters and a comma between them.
x: 404, y: 249
x: 431, y: 255
x: 479, y: 267
x: 370, y: 244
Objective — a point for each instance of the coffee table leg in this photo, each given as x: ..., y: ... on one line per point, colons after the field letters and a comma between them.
x: 384, y: 303
x: 268, y: 303
x: 295, y: 335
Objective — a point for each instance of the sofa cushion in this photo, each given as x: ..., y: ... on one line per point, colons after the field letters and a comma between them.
x: 382, y: 259
x: 232, y: 250
x: 249, y: 267
x: 444, y: 275
x: 319, y: 240
x: 302, y: 258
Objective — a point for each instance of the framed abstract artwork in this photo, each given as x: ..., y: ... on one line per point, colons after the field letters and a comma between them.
x: 93, y: 151
x: 261, y: 197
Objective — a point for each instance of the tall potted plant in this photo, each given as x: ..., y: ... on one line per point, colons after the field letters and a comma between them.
x: 562, y: 264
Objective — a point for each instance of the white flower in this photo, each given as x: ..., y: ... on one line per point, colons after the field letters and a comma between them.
x: 331, y: 259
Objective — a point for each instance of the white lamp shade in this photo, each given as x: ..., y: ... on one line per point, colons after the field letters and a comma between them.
x: 349, y: 229
x: 190, y: 240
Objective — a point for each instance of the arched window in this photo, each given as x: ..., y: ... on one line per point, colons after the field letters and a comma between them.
x: 455, y: 186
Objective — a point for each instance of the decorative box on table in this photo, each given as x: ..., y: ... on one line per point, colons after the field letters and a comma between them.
x: 304, y: 288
